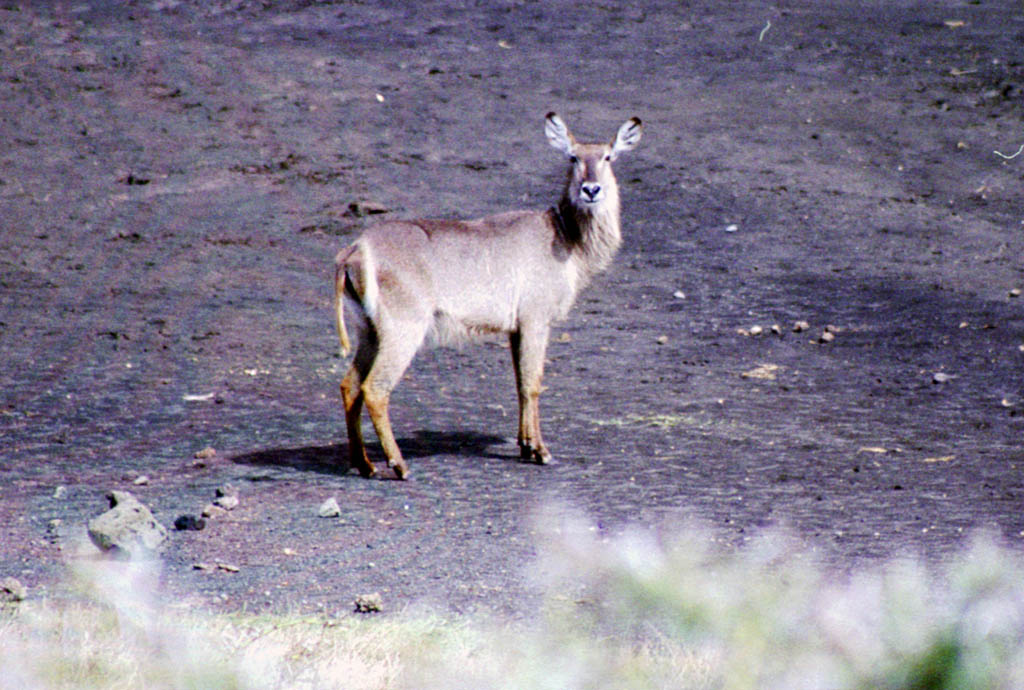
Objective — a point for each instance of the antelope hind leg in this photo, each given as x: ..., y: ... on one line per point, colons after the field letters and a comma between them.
x: 392, y: 359
x: 352, y: 397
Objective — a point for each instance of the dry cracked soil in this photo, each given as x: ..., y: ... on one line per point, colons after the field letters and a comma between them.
x: 176, y: 177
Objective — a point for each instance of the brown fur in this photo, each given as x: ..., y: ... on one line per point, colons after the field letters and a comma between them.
x: 514, y: 273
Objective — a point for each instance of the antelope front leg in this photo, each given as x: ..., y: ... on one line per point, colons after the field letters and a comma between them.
x: 528, y: 347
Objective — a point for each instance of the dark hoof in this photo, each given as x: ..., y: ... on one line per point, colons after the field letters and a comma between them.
x: 537, y: 456
x: 400, y: 468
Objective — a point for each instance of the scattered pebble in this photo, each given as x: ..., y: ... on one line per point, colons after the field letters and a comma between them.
x: 141, y: 480
x: 756, y: 330
x: 329, y: 508
x: 12, y: 591
x: 662, y: 339
x: 732, y: 227
x: 564, y: 338
x: 213, y: 510
x: 942, y: 377
x: 801, y: 326
x: 679, y: 294
x: 60, y: 492
x: 227, y: 497
x: 369, y: 603
x: 197, y: 397
x: 1015, y: 292
x: 776, y: 329
x: 226, y: 502
x: 826, y: 337
x: 361, y: 209
x: 205, y: 453
x: 765, y: 372
x: 189, y: 522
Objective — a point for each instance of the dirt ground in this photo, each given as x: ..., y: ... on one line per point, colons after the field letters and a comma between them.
x: 177, y: 176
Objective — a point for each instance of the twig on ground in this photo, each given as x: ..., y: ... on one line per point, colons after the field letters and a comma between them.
x: 1003, y: 155
x: 768, y: 25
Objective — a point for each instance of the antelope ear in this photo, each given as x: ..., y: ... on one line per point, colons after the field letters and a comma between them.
x: 627, y: 137
x: 558, y: 134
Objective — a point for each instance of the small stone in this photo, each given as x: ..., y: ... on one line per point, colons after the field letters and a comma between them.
x: 12, y: 591
x: 60, y: 492
x: 141, y: 480
x: 801, y: 326
x: 227, y: 497
x: 205, y: 454
x: 827, y: 337
x: 329, y: 508
x: 228, y: 567
x: 756, y: 330
x: 679, y: 294
x: 1015, y: 292
x: 189, y: 522
x: 662, y: 339
x: 764, y: 372
x: 361, y: 209
x: 226, y: 502
x: 213, y: 511
x: 832, y: 329
x: 942, y: 377
x: 128, y: 529
x: 732, y: 227
x: 369, y: 603
x: 564, y: 338
x: 776, y: 329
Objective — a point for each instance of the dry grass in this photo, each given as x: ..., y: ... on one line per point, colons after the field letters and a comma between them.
x: 645, y: 610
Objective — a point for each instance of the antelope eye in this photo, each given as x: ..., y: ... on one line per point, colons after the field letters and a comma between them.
x: 575, y: 159
x: 608, y: 156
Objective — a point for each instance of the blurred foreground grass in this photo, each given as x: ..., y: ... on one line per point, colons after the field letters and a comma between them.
x: 640, y: 610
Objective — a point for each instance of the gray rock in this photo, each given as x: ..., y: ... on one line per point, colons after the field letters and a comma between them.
x: 226, y: 502
x: 369, y: 603
x: 128, y: 529
x: 12, y: 591
x: 212, y: 510
x: 227, y: 497
x: 329, y: 508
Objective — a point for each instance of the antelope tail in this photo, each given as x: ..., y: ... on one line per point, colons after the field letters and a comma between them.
x: 340, y: 279
x: 354, y: 278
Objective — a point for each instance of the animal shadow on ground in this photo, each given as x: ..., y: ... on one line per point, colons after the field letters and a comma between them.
x: 333, y: 459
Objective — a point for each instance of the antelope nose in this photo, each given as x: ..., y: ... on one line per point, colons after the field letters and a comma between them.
x: 591, y: 190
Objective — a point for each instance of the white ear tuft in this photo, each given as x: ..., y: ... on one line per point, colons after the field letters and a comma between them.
x: 627, y: 137
x: 558, y: 134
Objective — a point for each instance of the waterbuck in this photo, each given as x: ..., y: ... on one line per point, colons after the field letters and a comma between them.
x: 513, y: 273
